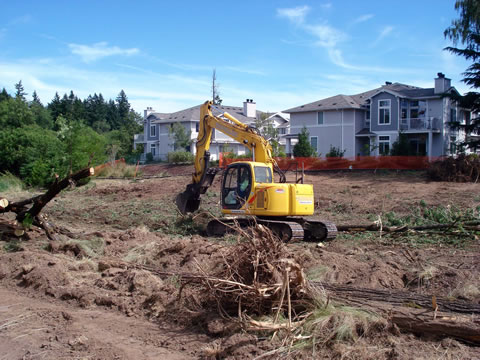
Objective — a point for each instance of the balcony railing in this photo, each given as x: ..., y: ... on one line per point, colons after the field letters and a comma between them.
x: 420, y: 124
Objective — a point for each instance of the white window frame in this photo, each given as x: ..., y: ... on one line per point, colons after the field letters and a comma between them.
x: 320, y: 116
x: 316, y: 140
x: 153, y: 149
x: 154, y: 132
x: 389, y: 107
x: 384, y: 141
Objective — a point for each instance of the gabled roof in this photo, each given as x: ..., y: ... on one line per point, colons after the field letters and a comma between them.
x: 358, y: 101
x: 193, y: 114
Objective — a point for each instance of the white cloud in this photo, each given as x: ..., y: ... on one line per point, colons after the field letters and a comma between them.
x: 387, y: 30
x: 326, y: 5
x: 327, y: 36
x: 24, y: 19
x: 90, y: 53
x: 295, y: 15
x: 363, y: 18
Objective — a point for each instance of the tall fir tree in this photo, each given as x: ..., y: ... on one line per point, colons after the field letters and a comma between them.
x: 466, y: 30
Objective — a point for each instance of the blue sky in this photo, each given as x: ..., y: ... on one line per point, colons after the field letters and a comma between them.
x: 280, y: 53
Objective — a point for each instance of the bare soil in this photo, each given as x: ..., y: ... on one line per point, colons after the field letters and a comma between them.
x: 94, y: 298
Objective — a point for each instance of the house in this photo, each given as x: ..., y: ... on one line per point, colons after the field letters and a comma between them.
x: 281, y: 122
x: 156, y: 126
x: 370, y: 122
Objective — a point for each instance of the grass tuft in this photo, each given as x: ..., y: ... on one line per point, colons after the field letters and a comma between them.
x: 10, y: 183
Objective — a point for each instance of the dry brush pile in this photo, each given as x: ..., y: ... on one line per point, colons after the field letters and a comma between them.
x: 463, y: 168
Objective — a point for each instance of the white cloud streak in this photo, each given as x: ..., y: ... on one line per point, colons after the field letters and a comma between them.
x: 363, y: 18
x: 295, y: 15
x: 97, y: 51
x: 387, y: 30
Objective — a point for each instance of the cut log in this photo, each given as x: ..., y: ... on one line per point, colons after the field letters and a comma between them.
x: 459, y: 327
x: 3, y: 203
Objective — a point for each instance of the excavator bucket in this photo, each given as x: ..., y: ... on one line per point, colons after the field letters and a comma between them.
x: 188, y: 201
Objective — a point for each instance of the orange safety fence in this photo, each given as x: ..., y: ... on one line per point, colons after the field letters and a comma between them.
x: 358, y: 162
x: 108, y: 164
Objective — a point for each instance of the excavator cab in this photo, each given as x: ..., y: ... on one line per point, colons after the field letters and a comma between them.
x: 236, y: 186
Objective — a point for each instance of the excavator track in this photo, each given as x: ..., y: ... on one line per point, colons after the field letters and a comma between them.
x: 289, y: 229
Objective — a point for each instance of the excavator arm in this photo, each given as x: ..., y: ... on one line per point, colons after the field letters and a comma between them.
x: 189, y: 200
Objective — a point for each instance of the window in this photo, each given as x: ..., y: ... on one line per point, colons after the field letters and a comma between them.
x: 453, y: 115
x: 384, y: 112
x: 384, y: 145
x: 282, y: 131
x: 453, y: 145
x: 314, y: 142
x: 153, y: 130
x: 404, y: 110
x: 197, y: 127
x: 153, y: 149
x: 320, y: 118
x: 263, y: 174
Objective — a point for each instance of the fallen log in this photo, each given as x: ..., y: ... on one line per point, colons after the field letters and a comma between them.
x: 440, y: 324
x: 404, y: 228
x: 32, y: 215
x: 398, y: 298
x: 415, y: 313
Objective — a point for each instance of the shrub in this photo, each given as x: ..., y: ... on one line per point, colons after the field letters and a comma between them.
x: 149, y: 157
x: 335, y: 152
x: 180, y: 157
x: 303, y: 148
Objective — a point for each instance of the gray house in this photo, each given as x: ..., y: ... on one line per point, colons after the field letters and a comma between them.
x: 156, y: 137
x: 370, y: 122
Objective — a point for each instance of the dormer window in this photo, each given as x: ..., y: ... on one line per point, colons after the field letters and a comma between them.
x: 153, y: 130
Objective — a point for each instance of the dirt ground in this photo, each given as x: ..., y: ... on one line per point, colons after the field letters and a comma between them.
x: 93, y: 297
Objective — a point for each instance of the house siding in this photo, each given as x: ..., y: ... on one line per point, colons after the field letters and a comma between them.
x: 375, y: 126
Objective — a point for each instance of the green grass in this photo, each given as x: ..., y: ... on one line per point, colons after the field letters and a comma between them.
x: 10, y: 183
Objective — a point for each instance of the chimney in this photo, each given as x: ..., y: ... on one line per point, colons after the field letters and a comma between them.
x: 147, y: 112
x: 388, y: 83
x: 249, y: 108
x: 442, y: 83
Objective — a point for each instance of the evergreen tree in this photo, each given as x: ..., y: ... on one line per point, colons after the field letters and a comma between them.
x: 123, y: 107
x: 303, y: 148
x: 55, y: 107
x: 466, y: 30
x: 41, y: 115
x: 20, y: 93
x: 4, y: 95
x: 35, y: 98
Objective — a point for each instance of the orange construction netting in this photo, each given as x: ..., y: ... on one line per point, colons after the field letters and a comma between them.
x: 359, y: 162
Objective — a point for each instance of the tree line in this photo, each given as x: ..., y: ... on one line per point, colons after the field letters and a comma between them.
x: 38, y: 141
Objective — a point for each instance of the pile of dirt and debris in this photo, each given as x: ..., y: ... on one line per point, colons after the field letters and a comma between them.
x: 463, y: 168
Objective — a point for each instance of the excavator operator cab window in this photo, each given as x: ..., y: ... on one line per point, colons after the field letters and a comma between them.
x: 263, y: 174
x: 237, y: 183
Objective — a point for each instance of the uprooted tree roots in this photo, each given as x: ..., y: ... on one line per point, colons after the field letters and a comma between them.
x: 261, y: 287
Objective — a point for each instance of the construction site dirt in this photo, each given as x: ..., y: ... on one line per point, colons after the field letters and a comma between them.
x: 115, y: 290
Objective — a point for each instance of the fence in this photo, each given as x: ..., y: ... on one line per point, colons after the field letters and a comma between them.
x: 359, y: 162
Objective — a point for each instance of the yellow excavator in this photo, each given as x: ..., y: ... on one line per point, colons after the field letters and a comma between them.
x: 248, y: 188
